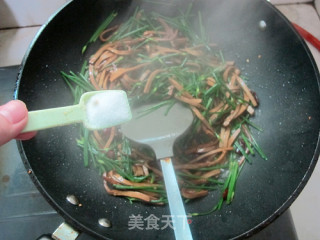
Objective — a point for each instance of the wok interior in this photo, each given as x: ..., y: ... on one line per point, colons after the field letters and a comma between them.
x: 284, y: 77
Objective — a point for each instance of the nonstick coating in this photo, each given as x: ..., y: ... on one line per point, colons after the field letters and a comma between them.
x: 278, y: 66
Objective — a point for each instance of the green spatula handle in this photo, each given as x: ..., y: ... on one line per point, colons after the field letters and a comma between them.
x: 54, y: 117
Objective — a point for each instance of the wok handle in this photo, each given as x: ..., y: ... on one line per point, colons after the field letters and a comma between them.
x: 178, y: 214
x: 307, y: 36
x: 45, y: 237
x: 63, y: 232
x: 53, y: 117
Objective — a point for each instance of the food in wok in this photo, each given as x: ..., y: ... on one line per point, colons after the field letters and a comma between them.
x: 155, y: 58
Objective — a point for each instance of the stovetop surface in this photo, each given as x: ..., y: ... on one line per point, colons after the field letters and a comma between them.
x: 25, y: 214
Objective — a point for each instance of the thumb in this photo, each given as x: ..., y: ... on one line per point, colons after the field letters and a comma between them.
x: 13, y: 118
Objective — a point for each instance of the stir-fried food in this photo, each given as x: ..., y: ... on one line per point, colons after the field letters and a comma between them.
x: 168, y: 60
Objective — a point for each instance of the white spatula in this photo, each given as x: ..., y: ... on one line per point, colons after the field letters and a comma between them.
x: 159, y: 129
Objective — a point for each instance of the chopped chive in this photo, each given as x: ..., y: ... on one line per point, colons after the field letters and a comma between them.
x: 243, y: 152
x: 199, y: 177
x: 212, y: 89
x: 215, y: 208
x: 149, y: 189
x: 221, y: 56
x: 100, y: 29
x: 246, y: 119
x: 155, y: 107
x: 233, y: 178
x: 259, y: 150
x: 200, y: 187
x: 83, y: 68
x: 169, y: 3
x: 160, y: 200
x: 248, y: 145
x: 132, y: 199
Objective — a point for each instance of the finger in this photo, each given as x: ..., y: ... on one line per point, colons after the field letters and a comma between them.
x: 26, y: 136
x: 13, y: 118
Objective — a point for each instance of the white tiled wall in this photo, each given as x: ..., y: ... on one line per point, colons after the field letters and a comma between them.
x: 14, y: 43
x: 317, y: 5
x: 19, y: 22
x: 21, y: 13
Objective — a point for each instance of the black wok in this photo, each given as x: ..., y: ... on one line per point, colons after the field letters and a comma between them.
x: 281, y: 70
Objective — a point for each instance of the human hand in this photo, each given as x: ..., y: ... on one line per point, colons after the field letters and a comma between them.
x: 13, y: 119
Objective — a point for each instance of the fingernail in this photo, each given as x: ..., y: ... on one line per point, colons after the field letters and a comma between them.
x: 14, y: 111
